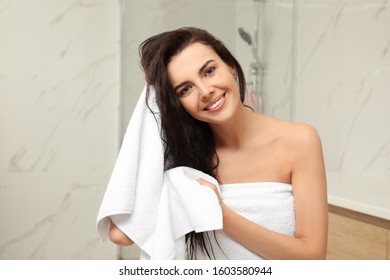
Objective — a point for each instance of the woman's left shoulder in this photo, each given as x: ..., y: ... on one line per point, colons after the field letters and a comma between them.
x: 303, y: 142
x: 295, y: 134
x: 301, y: 133
x: 302, y: 146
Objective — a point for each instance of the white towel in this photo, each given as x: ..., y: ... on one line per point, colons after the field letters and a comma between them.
x: 155, y: 208
x: 269, y: 204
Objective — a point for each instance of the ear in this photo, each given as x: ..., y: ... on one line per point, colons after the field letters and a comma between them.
x: 234, y: 72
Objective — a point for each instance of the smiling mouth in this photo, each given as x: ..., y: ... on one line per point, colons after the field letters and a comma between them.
x: 216, y: 104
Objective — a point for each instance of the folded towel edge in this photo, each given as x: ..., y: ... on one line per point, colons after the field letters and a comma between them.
x: 103, y: 222
x: 211, y: 227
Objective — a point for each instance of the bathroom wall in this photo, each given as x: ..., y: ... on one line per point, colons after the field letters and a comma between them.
x: 59, y: 114
x: 344, y: 61
x: 342, y: 89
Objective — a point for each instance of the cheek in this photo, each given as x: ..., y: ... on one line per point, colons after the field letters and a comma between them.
x: 236, y: 87
x: 189, y: 104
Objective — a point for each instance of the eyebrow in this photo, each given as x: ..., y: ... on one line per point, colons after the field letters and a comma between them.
x: 201, y: 69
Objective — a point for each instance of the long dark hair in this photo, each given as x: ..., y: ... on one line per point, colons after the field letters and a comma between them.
x: 188, y: 141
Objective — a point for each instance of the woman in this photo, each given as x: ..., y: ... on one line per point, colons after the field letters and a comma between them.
x: 200, y: 90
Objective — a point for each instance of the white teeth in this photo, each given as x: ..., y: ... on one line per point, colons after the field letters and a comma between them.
x: 216, y: 104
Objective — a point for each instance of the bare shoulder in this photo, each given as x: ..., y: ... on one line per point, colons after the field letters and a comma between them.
x: 302, y: 149
x: 296, y: 136
x: 303, y: 145
x: 302, y: 134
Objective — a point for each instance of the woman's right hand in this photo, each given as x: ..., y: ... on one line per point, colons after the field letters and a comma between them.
x: 211, y: 186
x: 118, y: 237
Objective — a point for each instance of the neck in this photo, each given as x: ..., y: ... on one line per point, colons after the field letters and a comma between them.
x: 236, y: 132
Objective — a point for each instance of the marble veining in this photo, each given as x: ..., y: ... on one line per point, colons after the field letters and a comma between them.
x: 4, y: 5
x: 381, y: 150
x: 382, y: 9
x: 86, y: 251
x: 75, y: 110
x: 352, y: 127
x: 59, y: 95
x: 75, y: 5
x: 46, y: 225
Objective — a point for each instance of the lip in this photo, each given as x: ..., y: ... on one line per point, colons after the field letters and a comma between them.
x: 219, y: 107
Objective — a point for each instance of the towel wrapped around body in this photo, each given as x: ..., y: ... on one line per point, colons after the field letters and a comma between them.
x: 269, y: 204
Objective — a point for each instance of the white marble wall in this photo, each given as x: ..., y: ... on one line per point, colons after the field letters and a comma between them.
x: 59, y: 95
x: 343, y: 89
x: 343, y: 84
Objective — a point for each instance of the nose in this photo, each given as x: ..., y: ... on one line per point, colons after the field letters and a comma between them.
x: 205, y: 91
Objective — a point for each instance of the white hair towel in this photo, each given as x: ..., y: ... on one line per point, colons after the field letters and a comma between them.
x: 152, y: 207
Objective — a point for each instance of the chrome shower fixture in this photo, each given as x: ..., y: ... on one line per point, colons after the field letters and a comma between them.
x: 257, y: 70
x: 253, y: 44
x: 245, y: 36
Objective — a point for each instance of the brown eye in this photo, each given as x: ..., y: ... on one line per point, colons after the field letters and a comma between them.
x: 184, y: 91
x: 210, y: 71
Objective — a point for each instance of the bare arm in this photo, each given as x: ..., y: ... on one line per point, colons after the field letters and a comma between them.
x: 310, y: 199
x: 118, y: 237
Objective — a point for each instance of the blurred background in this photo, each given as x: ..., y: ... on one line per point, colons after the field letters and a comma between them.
x: 70, y: 78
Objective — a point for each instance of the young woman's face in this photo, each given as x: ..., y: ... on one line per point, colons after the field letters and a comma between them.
x: 204, y: 83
